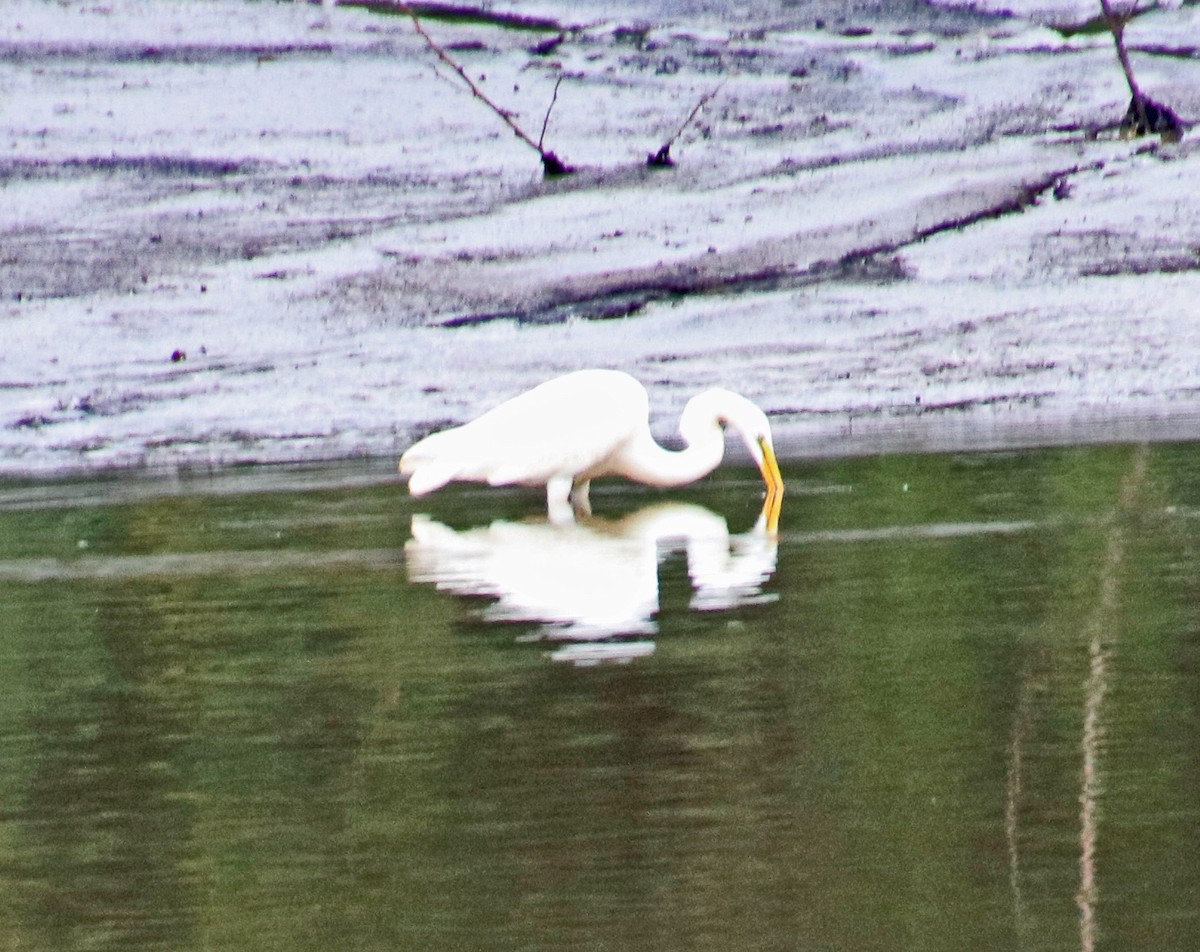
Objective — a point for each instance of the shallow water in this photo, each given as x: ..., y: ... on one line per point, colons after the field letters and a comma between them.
x: 953, y: 705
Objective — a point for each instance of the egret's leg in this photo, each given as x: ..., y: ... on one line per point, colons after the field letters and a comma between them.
x: 558, y: 500
x: 579, y: 498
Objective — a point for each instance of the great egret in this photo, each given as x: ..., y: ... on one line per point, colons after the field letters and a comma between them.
x: 567, y: 431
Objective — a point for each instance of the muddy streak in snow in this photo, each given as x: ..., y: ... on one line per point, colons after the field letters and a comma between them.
x: 233, y: 234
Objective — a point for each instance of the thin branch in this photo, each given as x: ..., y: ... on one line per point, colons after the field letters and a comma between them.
x: 662, y: 157
x: 1144, y: 116
x: 1117, y: 23
x: 546, y: 118
x: 475, y: 90
x: 551, y: 163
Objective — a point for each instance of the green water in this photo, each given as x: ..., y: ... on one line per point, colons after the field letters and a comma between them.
x: 954, y: 706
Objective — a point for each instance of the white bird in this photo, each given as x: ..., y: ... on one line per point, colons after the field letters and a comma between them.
x: 567, y: 431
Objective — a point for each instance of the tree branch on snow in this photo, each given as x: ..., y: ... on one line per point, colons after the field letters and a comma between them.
x: 551, y: 163
x: 1144, y: 116
x: 546, y: 118
x: 662, y: 158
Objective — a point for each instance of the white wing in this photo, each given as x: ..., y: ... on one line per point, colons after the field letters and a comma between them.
x: 566, y: 426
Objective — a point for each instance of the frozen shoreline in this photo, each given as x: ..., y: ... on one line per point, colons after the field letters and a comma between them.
x: 884, y: 237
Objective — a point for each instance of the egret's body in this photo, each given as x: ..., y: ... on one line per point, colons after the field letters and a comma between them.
x: 570, y: 430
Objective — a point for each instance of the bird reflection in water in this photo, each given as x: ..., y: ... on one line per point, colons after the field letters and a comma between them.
x: 592, y: 586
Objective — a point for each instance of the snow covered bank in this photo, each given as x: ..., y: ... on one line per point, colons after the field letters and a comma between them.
x: 229, y: 236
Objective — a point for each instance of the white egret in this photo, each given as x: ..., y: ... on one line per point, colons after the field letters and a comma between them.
x: 567, y: 431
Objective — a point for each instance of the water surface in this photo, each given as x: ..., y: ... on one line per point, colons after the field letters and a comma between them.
x: 954, y: 704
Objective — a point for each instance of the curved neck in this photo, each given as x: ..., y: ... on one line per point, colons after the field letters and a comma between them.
x: 649, y: 463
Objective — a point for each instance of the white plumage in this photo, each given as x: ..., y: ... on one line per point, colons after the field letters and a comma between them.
x: 567, y: 431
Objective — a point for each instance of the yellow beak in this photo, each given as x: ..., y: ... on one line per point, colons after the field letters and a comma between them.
x: 769, y: 467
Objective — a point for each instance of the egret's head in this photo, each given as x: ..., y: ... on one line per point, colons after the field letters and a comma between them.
x: 734, y: 411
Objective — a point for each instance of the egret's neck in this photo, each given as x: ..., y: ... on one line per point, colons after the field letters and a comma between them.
x: 649, y: 463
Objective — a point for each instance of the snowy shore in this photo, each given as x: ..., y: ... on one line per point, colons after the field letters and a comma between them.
x: 232, y: 233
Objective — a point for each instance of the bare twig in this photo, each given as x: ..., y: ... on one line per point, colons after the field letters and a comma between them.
x: 546, y: 118
x: 1144, y: 115
x: 662, y: 158
x: 551, y: 163
x: 1116, y: 24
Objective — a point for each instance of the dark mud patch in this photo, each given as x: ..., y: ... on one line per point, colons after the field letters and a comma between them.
x: 852, y: 16
x: 1131, y: 254
x: 1106, y: 252
x: 222, y: 211
x: 625, y: 300
x: 765, y: 267
x: 154, y: 255
x: 457, y: 13
x: 181, y: 54
x: 144, y: 166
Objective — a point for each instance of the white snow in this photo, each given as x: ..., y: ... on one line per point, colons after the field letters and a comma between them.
x: 346, y: 196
